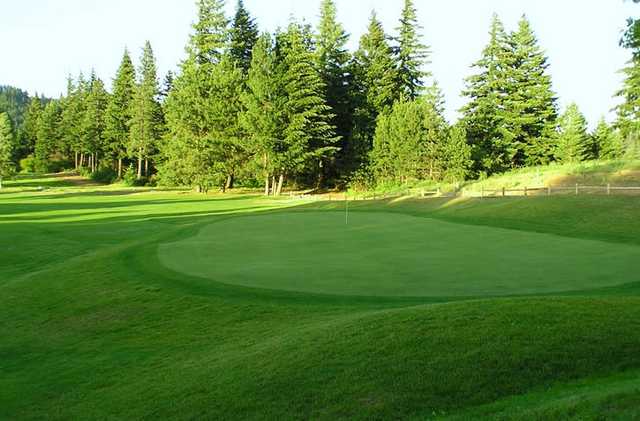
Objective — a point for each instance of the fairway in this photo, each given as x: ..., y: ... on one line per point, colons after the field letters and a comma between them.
x: 386, y: 254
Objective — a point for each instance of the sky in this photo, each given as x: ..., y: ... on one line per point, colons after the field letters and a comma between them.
x: 45, y: 40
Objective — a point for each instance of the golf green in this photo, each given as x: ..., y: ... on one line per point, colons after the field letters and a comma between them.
x: 385, y: 254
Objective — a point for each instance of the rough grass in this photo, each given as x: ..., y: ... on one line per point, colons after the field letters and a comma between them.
x: 93, y: 326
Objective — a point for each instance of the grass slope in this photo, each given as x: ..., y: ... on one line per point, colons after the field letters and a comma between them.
x: 93, y: 326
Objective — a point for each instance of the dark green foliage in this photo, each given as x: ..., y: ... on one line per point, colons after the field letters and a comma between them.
x: 93, y: 123
x: 146, y: 123
x: 531, y: 107
x: 484, y: 116
x: 573, y: 142
x: 263, y: 102
x: 29, y: 132
x: 48, y: 136
x: 14, y: 102
x: 104, y: 175
x: 243, y: 37
x: 308, y: 139
x: 7, y: 166
x: 607, y: 142
x: 118, y: 113
x: 511, y: 116
x: 334, y: 64
x: 412, y: 54
x: 375, y: 88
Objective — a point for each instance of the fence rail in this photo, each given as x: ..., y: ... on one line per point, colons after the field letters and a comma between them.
x: 483, y: 193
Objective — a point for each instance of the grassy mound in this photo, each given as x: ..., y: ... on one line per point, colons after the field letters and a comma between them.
x: 93, y: 326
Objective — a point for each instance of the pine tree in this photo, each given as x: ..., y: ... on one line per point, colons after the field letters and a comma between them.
x: 309, y: 138
x: 204, y: 144
x: 29, y: 132
x: 145, y: 126
x: 574, y: 144
x: 531, y: 105
x: 413, y: 55
x: 48, y: 136
x: 244, y: 35
x: 607, y: 141
x: 211, y: 34
x: 7, y: 166
x: 333, y: 62
x: 409, y: 140
x: 93, y: 123
x: 118, y: 113
x: 263, y: 102
x: 71, y: 130
x: 484, y: 117
x: 375, y: 87
x: 456, y: 155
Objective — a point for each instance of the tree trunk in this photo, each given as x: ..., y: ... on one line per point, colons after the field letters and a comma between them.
x: 140, y: 165
x: 265, y: 161
x: 273, y: 185
x: 119, y: 167
x: 280, y: 183
x: 267, y: 189
x: 0, y: 182
x: 91, y: 162
x: 76, y: 159
x: 230, y: 181
x: 146, y: 167
x: 81, y: 160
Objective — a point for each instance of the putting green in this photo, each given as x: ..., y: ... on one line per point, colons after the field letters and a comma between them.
x: 383, y: 254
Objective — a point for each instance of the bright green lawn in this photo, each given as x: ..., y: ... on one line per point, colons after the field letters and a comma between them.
x: 94, y: 325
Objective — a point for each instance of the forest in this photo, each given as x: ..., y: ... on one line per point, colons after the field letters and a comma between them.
x: 297, y: 108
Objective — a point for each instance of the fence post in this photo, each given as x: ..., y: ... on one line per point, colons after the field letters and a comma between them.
x: 577, y: 189
x: 504, y: 192
x: 482, y: 193
x: 526, y: 191
x: 549, y: 191
x: 608, y: 189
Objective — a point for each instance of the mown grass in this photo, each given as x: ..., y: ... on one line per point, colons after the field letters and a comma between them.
x: 94, y: 326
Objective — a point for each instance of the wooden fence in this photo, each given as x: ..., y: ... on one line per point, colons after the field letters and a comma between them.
x: 483, y: 193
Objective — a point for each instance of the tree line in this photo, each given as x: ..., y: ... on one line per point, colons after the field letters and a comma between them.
x: 296, y: 106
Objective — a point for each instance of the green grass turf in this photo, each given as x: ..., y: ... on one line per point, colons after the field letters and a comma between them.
x: 395, y: 255
x: 93, y: 325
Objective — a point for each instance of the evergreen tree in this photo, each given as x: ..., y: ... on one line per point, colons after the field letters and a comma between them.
x: 204, y: 144
x: 531, y: 105
x: 244, y: 35
x: 263, y: 102
x: 73, y: 113
x: 375, y: 87
x: 145, y: 126
x: 29, y: 132
x: 48, y: 136
x: 7, y: 166
x: 413, y: 55
x: 118, y: 113
x: 211, y: 34
x: 574, y: 144
x: 308, y: 140
x: 455, y: 154
x: 607, y: 141
x: 93, y: 123
x: 484, y: 117
x: 409, y: 140
x: 333, y: 62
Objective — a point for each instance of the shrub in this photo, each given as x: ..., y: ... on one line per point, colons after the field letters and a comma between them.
x: 130, y: 178
x: 28, y: 164
x: 105, y: 175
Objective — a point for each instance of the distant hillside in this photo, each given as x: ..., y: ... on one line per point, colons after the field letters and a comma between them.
x: 14, y: 102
